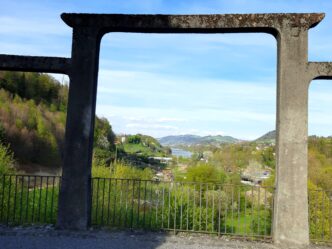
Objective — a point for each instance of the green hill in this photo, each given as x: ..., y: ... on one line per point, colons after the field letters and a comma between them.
x: 269, y: 137
x: 32, y: 119
x: 144, y: 145
x: 191, y: 140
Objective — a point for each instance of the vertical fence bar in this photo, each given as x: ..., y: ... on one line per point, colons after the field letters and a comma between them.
x: 226, y: 210
x: 316, y: 204
x: 132, y: 206
x: 245, y: 212
x: 156, y: 192
x: 238, y: 208
x: 188, y: 203
x: 232, y: 207
x: 258, y: 209
x: 21, y: 199
x: 120, y: 209
x: 150, y: 205
x: 194, y: 206
x: 3, y: 197
x: 109, y: 200
x: 8, y: 204
x: 27, y: 202
x: 97, y: 201
x: 323, y: 214
x: 33, y: 199
x: 206, y: 206
x: 144, y: 203
x: 252, y: 208
x: 200, y: 207
x: 40, y: 197
x: 103, y: 203
x: 114, y: 200
x: 174, y: 191
x: 219, y: 210
x: 181, y: 203
x: 52, y: 198
x: 163, y: 207
x: 126, y: 212
x: 138, y: 203
x: 169, y: 206
x: 15, y: 194
x: 265, y: 221
x: 46, y: 197
x: 212, y: 218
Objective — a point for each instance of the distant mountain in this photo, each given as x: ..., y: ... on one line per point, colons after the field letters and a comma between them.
x: 197, y: 140
x: 269, y: 137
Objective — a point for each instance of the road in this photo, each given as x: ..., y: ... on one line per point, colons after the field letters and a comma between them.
x: 48, y: 238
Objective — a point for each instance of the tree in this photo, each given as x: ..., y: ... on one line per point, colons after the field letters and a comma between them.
x: 205, y: 173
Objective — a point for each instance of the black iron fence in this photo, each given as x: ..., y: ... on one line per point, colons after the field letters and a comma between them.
x: 193, y: 207
x: 153, y: 205
x: 28, y: 199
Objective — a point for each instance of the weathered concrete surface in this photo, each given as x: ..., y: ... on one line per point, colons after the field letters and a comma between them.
x: 267, y: 23
x: 320, y: 70
x: 294, y: 76
x: 34, y: 64
x: 291, y: 197
x: 75, y: 194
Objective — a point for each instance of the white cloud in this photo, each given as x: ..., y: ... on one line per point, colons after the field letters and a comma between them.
x: 152, y: 126
x: 166, y: 119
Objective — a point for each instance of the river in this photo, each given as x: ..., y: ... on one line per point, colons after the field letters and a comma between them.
x: 180, y: 152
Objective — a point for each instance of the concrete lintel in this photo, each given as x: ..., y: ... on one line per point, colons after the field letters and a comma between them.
x: 320, y: 70
x: 268, y: 23
x: 34, y: 64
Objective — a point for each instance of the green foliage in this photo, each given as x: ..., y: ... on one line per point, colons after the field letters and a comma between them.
x: 320, y: 162
x: 134, y: 139
x: 319, y: 213
x: 32, y: 120
x: 41, y: 88
x: 145, y: 145
x: 161, y: 205
x: 6, y: 160
x: 261, y: 224
x: 205, y: 173
x: 28, y: 200
x: 122, y: 171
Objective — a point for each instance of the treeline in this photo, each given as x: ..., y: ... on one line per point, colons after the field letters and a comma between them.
x: 41, y: 88
x: 32, y: 119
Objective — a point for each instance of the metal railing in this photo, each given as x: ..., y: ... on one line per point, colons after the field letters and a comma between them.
x: 153, y: 205
x: 320, y: 211
x: 182, y: 206
x: 28, y: 199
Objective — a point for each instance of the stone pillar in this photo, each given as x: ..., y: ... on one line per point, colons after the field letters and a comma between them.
x: 75, y: 194
x: 290, y: 224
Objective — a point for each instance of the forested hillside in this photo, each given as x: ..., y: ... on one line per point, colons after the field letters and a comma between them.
x: 32, y: 119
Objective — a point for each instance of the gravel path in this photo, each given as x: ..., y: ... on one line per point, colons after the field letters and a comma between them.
x: 48, y: 238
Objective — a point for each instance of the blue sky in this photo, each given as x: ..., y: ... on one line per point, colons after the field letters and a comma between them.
x: 168, y: 84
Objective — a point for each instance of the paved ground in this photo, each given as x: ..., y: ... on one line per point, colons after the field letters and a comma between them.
x: 48, y: 238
